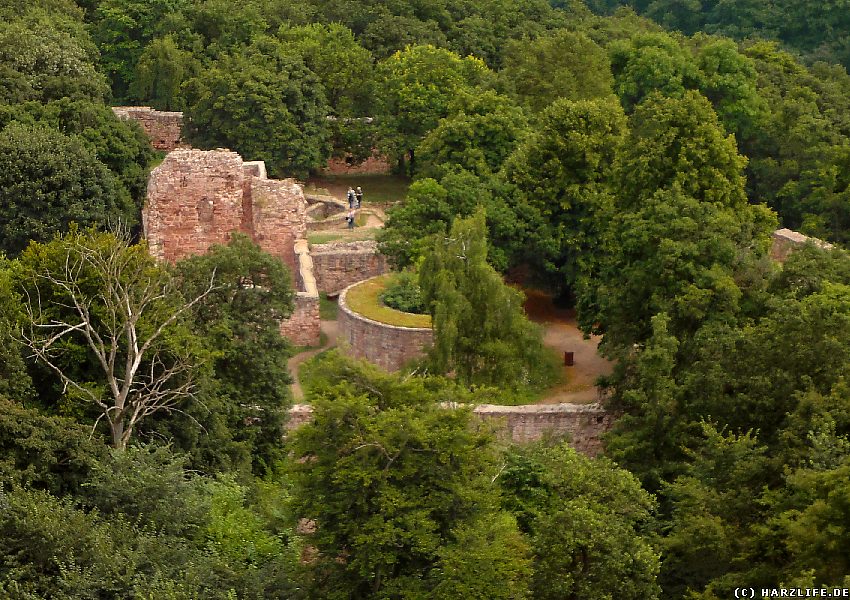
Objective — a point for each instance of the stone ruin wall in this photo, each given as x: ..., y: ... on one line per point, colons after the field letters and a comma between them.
x: 583, y: 424
x: 165, y: 129
x: 303, y: 327
x: 340, y: 265
x: 785, y: 241
x: 197, y: 198
x: 387, y: 346
x: 377, y: 164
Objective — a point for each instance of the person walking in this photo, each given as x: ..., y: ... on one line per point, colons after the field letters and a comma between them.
x: 351, y: 198
x: 359, y: 195
x: 349, y: 218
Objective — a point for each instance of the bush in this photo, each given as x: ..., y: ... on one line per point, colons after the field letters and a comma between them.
x: 403, y: 293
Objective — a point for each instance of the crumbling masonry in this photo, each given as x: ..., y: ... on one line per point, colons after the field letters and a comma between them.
x: 198, y: 198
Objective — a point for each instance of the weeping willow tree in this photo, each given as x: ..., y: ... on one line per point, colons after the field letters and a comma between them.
x: 481, y: 333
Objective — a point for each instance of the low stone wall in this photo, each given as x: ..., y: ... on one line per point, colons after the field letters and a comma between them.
x: 165, y: 129
x: 374, y: 165
x: 303, y: 327
x: 340, y: 265
x: 335, y: 222
x: 785, y: 241
x: 388, y: 346
x: 583, y: 424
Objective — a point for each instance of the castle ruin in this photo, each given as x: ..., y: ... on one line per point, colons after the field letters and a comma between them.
x: 198, y: 198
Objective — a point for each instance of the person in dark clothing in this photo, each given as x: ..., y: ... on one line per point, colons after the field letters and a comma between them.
x: 359, y: 195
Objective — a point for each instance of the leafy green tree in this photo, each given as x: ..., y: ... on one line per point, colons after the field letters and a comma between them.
x: 821, y: 196
x: 798, y: 143
x: 150, y: 485
x: 55, y: 454
x: 563, y: 174
x: 757, y: 382
x: 650, y: 436
x: 343, y: 66
x: 122, y: 30
x: 651, y: 62
x: 682, y: 225
x: 589, y: 523
x: 51, y: 544
x: 15, y: 381
x: 110, y: 324
x: 120, y: 145
x: 389, y: 34
x: 729, y: 80
x: 263, y: 103
x: 429, y: 208
x: 480, y: 331
x: 564, y: 64
x: 239, y: 322
x: 40, y: 61
x: 488, y: 561
x: 812, y: 518
x: 49, y: 180
x: 478, y: 134
x: 221, y: 30
x: 399, y: 488
x: 418, y: 85
x: 161, y: 70
x: 717, y: 503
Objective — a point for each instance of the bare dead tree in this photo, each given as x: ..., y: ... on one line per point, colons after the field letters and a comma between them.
x: 112, y: 298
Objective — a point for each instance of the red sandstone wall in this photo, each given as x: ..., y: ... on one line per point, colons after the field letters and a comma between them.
x: 278, y: 217
x: 339, y: 265
x: 165, y: 129
x: 387, y: 346
x: 302, y: 328
x: 374, y: 165
x: 198, y: 198
x: 194, y: 201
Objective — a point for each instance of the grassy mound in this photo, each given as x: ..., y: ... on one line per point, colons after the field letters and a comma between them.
x: 363, y: 299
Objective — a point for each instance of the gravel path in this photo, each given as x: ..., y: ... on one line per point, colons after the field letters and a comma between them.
x: 562, y: 334
x: 329, y: 328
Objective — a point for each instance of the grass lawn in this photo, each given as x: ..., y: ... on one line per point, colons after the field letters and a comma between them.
x: 377, y: 189
x: 353, y: 235
x: 327, y: 308
x: 363, y: 299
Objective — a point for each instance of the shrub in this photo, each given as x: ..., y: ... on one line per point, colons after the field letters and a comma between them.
x: 403, y: 293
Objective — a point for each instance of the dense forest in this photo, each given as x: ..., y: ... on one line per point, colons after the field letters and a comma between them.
x: 631, y: 159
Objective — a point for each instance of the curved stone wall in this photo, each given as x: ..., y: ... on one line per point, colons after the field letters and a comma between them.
x: 387, y: 346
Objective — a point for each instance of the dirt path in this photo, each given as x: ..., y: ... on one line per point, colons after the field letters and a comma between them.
x: 329, y: 328
x: 562, y: 334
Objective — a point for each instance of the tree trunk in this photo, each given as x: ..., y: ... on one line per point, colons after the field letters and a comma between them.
x: 118, y: 440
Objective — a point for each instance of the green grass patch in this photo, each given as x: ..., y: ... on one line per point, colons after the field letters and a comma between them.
x: 328, y: 308
x: 377, y: 189
x: 323, y: 237
x: 363, y: 299
x: 323, y: 341
x: 349, y: 235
